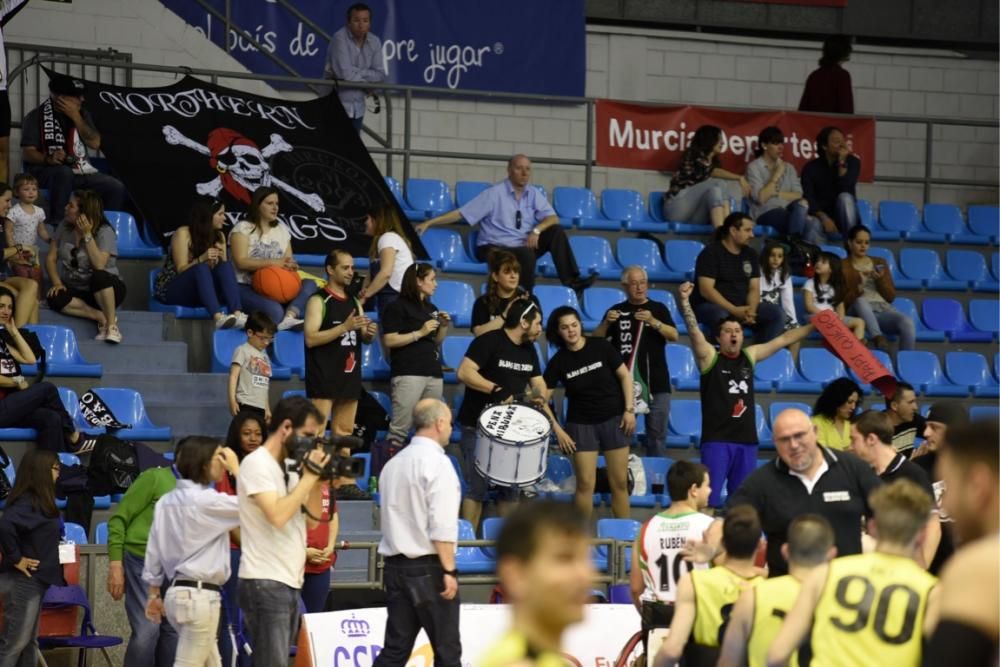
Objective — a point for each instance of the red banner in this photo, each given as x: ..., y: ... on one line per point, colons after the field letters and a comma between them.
x: 841, y: 341
x: 646, y: 136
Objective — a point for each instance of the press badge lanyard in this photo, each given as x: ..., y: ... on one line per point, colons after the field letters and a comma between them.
x: 67, y: 549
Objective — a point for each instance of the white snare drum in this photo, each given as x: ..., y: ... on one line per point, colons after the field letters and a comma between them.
x: 512, y: 444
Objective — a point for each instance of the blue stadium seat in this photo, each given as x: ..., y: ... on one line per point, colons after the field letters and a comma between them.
x: 101, y: 533
x: 683, y: 370
x: 883, y: 358
x: 922, y: 369
x: 62, y: 354
x: 598, y: 300
x: 594, y: 255
x: 946, y: 219
x: 490, y: 528
x: 397, y: 192
x: 620, y: 530
x: 127, y: 406
x: 681, y: 256
x: 924, y: 265
x: 551, y: 297
x: 75, y: 533
x: 180, y: 312
x: 471, y: 560
x: 579, y: 206
x: 866, y: 214
x: 628, y: 206
x: 656, y: 468
x: 984, y: 412
x: 373, y: 363
x: 466, y: 191
x: 969, y: 369
x: 908, y: 308
x: 667, y: 298
x: 764, y: 437
x: 984, y: 315
x: 820, y: 365
x: 985, y: 221
x: 995, y: 266
x: 429, y: 196
x: 225, y: 341
x: 777, y: 407
x: 131, y: 245
x: 946, y: 315
x: 835, y: 249
x: 447, y: 251
x: 646, y: 253
x: 452, y: 352
x: 456, y: 298
x: 656, y: 206
x: 904, y: 219
x: 778, y: 372
x: 289, y: 351
x: 558, y: 468
x: 900, y: 280
x: 71, y: 402
x: 969, y: 266
x: 684, y: 423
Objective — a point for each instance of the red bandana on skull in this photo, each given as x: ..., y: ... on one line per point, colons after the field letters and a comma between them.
x: 221, y: 142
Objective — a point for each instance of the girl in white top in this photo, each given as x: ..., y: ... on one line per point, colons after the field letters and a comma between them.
x: 25, y: 224
x: 826, y: 292
x: 776, y: 286
x: 390, y: 252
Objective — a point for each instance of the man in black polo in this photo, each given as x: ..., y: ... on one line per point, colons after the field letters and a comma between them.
x: 904, y: 414
x: 807, y: 478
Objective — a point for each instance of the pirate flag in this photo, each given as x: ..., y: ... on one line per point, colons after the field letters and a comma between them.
x: 171, y: 144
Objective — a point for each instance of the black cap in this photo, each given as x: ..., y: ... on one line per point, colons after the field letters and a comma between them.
x: 61, y: 84
x: 949, y: 413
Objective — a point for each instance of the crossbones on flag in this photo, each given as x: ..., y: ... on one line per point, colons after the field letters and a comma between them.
x: 171, y: 144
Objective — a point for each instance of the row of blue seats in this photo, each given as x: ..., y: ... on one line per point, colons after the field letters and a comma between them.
x: 625, y: 209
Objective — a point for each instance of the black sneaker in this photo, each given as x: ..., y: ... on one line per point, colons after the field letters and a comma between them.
x: 582, y: 283
x: 84, y: 445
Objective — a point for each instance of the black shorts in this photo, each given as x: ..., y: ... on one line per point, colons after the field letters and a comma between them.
x: 98, y: 281
x: 4, y: 113
x: 604, y: 436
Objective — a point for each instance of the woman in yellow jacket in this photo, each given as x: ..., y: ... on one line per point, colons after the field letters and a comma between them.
x: 833, y: 411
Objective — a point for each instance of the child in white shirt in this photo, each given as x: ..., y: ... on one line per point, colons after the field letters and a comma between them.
x: 24, y: 225
x: 776, y: 286
x: 826, y: 290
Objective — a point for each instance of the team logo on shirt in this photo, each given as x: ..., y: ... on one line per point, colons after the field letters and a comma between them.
x: 350, y: 363
x: 747, y: 269
x: 739, y: 409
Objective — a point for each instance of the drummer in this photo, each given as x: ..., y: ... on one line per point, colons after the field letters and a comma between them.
x: 499, y: 366
x: 600, y: 416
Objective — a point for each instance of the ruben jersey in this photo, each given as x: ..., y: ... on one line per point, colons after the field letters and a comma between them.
x: 716, y: 590
x: 772, y: 600
x: 660, y: 560
x: 870, y: 613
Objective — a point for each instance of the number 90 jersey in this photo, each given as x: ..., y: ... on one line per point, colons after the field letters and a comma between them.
x: 871, y: 612
x: 660, y: 560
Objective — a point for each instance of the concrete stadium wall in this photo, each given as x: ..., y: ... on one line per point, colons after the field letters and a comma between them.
x: 644, y: 65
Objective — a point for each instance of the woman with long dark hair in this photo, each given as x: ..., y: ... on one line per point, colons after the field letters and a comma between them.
x: 263, y: 240
x: 833, y: 411
x: 828, y: 88
x: 503, y: 285
x: 697, y: 193
x: 83, y: 266
x: 390, y: 255
x: 870, y: 291
x: 30, y: 532
x: 775, y: 192
x: 197, y: 272
x: 414, y: 329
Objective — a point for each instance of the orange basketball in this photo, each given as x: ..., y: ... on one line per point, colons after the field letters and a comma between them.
x: 277, y: 283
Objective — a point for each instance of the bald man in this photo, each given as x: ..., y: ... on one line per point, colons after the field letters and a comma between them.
x: 807, y: 478
x: 519, y: 219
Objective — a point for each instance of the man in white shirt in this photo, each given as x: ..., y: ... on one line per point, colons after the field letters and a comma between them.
x: 274, y: 502
x: 420, y: 500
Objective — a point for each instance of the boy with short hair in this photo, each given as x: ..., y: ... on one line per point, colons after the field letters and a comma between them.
x: 250, y: 370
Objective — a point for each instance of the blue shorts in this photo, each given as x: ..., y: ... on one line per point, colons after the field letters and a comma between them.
x: 728, y: 463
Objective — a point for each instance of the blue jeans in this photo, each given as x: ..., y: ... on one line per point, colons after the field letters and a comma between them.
x: 231, y: 615
x: 881, y: 318
x: 656, y: 423
x: 257, y: 302
x: 151, y: 644
x: 61, y: 182
x: 794, y: 220
x: 271, y: 611
x: 22, y: 605
x: 315, y: 589
x: 728, y: 463
x: 201, y: 285
x: 845, y: 213
x: 694, y: 203
x: 770, y: 320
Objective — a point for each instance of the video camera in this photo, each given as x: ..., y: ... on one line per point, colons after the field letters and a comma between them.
x: 338, y: 465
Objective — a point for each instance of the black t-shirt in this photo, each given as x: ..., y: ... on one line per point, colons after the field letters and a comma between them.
x: 592, y: 389
x: 905, y: 435
x: 500, y: 361
x: 946, y: 547
x: 421, y: 358
x: 728, y: 410
x: 732, y: 273
x: 840, y: 495
x: 652, y: 354
x: 901, y: 468
x: 482, y: 313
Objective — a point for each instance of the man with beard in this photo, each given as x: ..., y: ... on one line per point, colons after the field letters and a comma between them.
x: 728, y: 411
x: 274, y: 501
x: 967, y: 631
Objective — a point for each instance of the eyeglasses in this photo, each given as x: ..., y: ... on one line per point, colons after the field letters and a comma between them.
x: 263, y: 337
x: 517, y: 220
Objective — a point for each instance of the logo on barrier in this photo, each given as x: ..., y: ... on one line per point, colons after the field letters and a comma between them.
x: 355, y: 627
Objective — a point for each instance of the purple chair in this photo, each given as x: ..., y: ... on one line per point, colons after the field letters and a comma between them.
x: 58, y: 597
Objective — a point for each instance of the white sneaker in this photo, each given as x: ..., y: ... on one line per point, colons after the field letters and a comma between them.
x: 114, y: 334
x: 290, y: 324
x: 241, y: 321
x: 226, y: 322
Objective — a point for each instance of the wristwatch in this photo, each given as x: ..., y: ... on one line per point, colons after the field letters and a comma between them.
x: 536, y: 231
x: 452, y: 573
x: 630, y: 410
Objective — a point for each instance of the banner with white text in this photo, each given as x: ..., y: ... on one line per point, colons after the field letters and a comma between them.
x: 647, y: 136
x: 354, y: 638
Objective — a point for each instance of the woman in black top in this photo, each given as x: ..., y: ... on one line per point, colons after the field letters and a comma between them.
x: 600, y: 416
x: 502, y: 287
x: 697, y: 194
x: 414, y: 329
x: 30, y: 531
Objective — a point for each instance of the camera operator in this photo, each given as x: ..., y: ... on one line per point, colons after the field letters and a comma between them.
x: 276, y: 501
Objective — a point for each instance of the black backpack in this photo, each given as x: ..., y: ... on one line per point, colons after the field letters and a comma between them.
x: 802, y: 256
x: 114, y: 465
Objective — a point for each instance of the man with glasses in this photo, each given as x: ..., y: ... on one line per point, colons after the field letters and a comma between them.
x: 519, y: 219
x: 639, y: 328
x: 807, y: 478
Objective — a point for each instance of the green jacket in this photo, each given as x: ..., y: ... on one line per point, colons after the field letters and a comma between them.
x: 128, y: 527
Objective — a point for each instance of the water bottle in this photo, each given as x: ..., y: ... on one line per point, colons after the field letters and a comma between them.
x: 373, y: 484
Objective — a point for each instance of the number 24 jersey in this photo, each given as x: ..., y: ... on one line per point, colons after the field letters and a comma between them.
x: 660, y: 543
